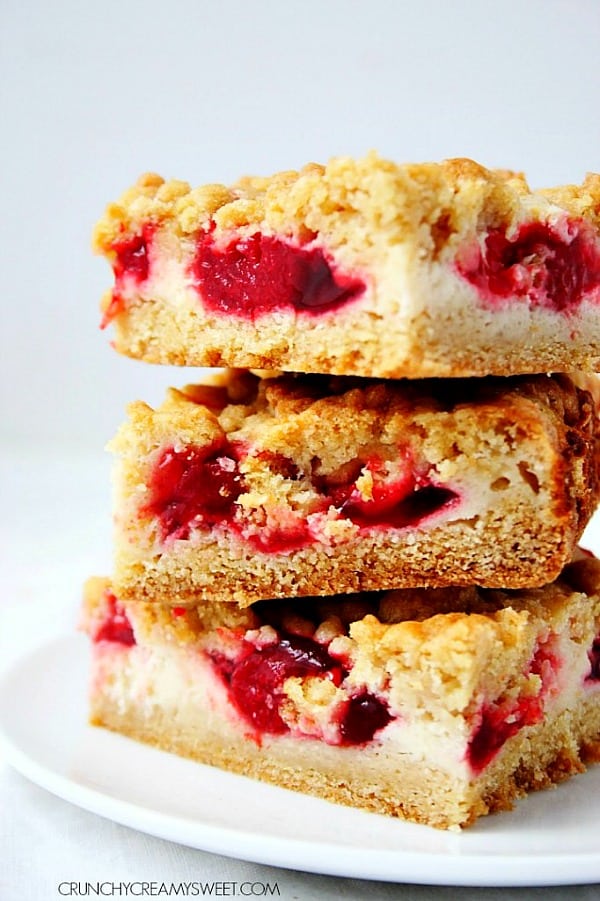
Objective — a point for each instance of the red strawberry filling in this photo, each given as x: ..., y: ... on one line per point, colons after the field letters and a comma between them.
x: 131, y: 265
x: 363, y: 716
x: 499, y: 720
x: 498, y: 723
x: 594, y: 658
x: 281, y: 539
x: 554, y: 266
x: 198, y: 487
x: 256, y: 682
x: 393, y: 503
x: 195, y: 487
x: 256, y: 688
x: 254, y: 276
x: 115, y: 626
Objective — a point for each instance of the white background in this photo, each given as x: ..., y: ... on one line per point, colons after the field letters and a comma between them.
x: 94, y: 94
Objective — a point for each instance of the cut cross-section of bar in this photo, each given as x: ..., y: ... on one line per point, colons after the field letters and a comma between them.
x: 264, y: 487
x: 436, y: 705
x: 361, y: 267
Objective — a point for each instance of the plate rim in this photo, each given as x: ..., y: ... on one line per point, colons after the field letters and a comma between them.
x: 342, y: 860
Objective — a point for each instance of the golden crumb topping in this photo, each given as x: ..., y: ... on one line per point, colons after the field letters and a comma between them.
x: 346, y: 200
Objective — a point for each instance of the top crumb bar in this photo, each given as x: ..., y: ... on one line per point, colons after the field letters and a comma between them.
x: 360, y: 267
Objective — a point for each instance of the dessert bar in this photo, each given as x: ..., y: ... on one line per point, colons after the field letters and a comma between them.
x: 257, y: 487
x: 360, y: 267
x: 436, y: 705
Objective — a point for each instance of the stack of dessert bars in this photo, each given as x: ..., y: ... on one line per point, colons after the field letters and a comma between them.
x: 347, y: 562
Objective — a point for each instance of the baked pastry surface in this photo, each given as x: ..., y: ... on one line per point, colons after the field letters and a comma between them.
x: 263, y: 487
x: 360, y: 267
x: 438, y: 706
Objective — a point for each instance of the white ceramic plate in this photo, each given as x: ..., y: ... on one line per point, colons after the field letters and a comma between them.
x: 551, y: 838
